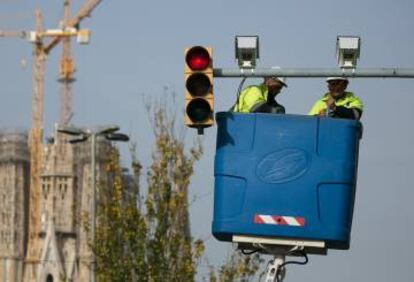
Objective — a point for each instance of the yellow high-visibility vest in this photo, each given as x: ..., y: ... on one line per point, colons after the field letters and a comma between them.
x: 349, y: 100
x: 249, y: 97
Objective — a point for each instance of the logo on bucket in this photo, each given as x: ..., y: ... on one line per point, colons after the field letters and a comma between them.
x: 283, y: 166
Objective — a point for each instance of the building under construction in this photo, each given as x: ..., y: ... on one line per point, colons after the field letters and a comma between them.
x: 46, y: 193
x: 65, y: 199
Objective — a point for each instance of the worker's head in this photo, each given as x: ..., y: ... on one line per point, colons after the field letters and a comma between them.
x: 274, y: 84
x: 337, y: 86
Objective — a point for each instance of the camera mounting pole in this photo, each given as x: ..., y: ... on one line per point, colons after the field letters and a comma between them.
x: 316, y: 72
x: 348, y: 50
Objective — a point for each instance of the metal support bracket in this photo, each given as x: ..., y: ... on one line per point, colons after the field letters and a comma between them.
x: 279, y: 248
x: 272, y: 246
x: 275, y: 272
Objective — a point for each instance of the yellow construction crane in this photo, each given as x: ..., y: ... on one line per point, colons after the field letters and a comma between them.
x: 40, y: 52
x: 67, y: 67
x: 21, y: 34
x: 66, y: 71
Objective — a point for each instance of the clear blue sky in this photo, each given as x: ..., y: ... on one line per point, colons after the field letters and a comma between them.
x: 137, y: 49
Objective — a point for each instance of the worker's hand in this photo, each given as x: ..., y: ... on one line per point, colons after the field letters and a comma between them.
x: 322, y: 113
x: 330, y: 102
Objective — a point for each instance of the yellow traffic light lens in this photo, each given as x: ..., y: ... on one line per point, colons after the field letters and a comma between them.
x: 197, y: 58
x: 198, y: 110
x: 198, y: 84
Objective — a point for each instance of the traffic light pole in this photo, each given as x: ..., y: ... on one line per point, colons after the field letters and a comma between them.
x: 317, y: 72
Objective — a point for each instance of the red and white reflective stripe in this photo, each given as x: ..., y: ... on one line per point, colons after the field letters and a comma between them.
x: 279, y: 220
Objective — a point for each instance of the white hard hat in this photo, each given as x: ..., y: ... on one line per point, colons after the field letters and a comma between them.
x: 337, y: 78
x: 280, y: 79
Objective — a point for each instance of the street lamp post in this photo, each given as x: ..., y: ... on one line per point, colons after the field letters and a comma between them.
x: 82, y: 135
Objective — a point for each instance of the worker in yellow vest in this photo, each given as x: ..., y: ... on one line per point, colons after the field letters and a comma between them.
x: 261, y: 98
x: 338, y: 102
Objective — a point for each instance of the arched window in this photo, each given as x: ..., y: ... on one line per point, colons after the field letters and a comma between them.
x: 49, y: 278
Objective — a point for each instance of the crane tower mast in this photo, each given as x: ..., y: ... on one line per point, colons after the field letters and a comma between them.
x: 66, y: 71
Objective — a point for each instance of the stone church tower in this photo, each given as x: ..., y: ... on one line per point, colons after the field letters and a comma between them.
x: 58, y: 212
x: 65, y: 205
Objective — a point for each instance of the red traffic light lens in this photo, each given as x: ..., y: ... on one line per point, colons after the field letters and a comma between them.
x: 198, y: 84
x: 198, y: 110
x: 197, y: 58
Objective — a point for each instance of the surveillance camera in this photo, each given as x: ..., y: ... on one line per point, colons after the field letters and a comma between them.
x: 348, y: 50
x: 247, y: 51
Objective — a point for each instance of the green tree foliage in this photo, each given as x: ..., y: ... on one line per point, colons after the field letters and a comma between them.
x: 148, y: 238
x: 172, y: 256
x: 121, y: 230
x: 151, y: 242
x: 238, y: 267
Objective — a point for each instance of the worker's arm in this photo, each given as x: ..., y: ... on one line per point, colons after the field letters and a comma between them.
x: 318, y: 108
x: 272, y: 108
x: 250, y: 98
x: 352, y: 111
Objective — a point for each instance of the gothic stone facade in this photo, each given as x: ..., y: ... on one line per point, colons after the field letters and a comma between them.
x: 65, y: 202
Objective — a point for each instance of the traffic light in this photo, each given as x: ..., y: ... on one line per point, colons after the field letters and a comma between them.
x: 198, y: 75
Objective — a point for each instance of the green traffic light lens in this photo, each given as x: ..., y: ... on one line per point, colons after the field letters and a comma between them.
x: 198, y: 84
x: 198, y: 110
